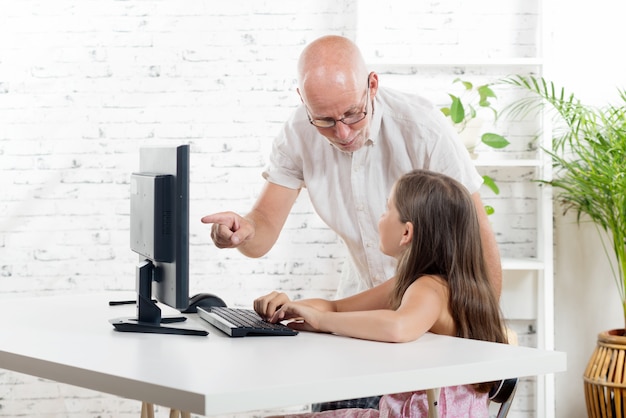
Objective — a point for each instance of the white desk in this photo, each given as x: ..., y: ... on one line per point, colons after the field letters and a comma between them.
x: 69, y: 339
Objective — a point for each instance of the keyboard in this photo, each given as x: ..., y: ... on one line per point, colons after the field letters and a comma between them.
x: 238, y: 322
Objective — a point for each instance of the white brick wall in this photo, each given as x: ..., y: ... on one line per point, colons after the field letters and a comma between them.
x: 84, y: 84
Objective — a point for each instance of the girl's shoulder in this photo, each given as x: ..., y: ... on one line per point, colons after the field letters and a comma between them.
x: 428, y: 287
x: 431, y: 280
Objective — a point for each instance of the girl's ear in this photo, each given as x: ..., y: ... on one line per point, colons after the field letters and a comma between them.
x: 407, y: 235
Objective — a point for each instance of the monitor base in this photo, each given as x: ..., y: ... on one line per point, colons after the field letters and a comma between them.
x: 149, y: 319
x: 133, y: 325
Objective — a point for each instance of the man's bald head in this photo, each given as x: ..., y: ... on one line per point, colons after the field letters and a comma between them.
x: 331, y: 63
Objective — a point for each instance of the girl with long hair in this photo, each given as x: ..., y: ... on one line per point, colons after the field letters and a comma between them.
x: 441, y: 286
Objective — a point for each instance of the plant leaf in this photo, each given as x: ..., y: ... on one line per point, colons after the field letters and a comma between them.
x: 484, y: 92
x: 494, y: 140
x: 457, y: 111
x: 468, y: 85
x: 489, y: 182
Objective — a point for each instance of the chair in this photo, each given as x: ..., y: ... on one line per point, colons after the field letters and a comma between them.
x: 503, y: 393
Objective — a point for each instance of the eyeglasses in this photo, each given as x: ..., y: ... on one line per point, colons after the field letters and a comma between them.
x: 350, y: 119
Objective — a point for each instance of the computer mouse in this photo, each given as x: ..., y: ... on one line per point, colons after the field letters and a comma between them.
x: 206, y: 300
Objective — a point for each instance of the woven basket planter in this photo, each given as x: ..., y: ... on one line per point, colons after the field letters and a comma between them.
x: 605, y: 376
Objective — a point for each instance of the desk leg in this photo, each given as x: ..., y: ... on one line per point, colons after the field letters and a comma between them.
x: 175, y: 413
x: 433, y: 402
x: 147, y: 410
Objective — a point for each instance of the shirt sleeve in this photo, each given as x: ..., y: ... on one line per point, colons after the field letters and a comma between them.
x: 285, y: 166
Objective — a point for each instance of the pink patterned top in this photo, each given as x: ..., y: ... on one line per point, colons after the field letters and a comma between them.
x: 454, y: 402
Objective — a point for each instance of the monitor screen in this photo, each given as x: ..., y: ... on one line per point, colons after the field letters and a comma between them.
x: 159, y: 234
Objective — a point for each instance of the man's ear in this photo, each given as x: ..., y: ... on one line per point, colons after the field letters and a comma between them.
x: 373, y: 77
x: 407, y: 236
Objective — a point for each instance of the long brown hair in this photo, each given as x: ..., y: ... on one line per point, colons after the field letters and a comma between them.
x: 446, y: 243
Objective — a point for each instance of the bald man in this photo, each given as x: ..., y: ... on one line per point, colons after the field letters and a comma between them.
x: 347, y: 144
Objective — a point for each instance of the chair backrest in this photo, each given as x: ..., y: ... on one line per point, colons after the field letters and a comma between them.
x: 503, y: 393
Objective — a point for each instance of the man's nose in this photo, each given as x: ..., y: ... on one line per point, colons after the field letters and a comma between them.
x: 342, y: 131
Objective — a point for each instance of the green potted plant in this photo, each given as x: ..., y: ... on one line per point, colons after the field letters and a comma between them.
x: 464, y: 113
x: 589, y: 161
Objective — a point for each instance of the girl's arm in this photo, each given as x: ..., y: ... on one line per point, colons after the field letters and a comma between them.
x: 375, y: 298
x: 423, y: 306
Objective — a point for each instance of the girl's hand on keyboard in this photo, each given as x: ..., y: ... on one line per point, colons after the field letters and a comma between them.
x: 302, y: 317
x: 266, y: 306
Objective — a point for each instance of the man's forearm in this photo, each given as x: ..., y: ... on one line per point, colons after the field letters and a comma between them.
x: 262, y: 240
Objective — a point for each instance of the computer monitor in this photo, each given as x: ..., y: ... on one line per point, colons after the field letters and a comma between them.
x: 159, y: 233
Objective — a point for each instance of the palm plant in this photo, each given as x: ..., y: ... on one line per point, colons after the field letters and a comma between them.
x: 589, y: 160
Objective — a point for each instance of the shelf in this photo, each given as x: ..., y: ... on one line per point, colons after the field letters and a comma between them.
x: 522, y: 264
x: 456, y: 62
x: 501, y: 162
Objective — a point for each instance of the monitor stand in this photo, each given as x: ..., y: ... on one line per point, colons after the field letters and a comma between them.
x: 149, y: 318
